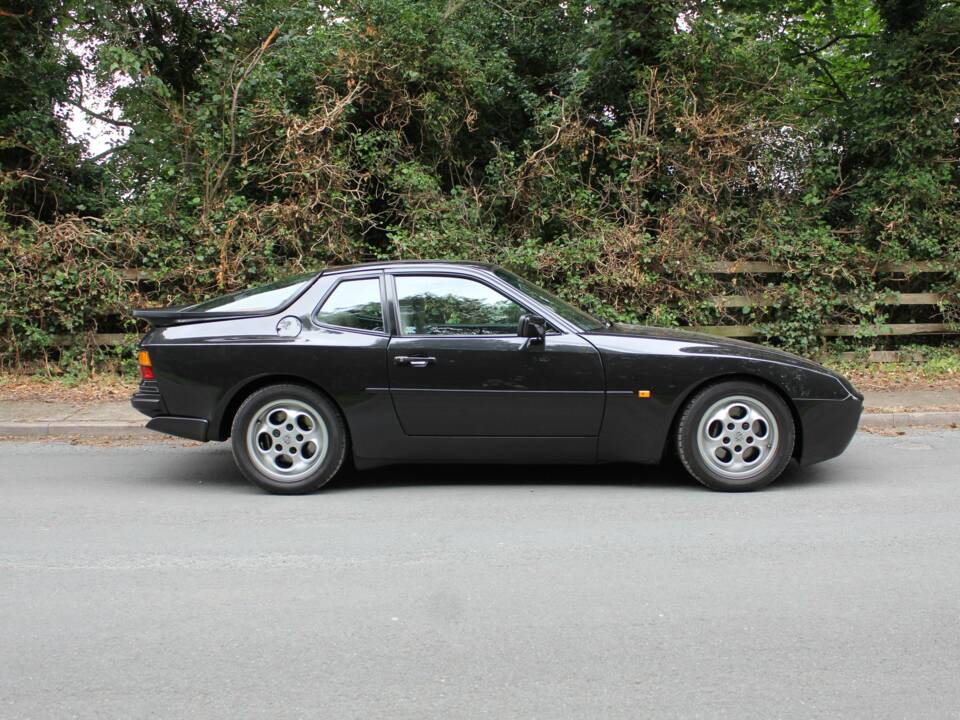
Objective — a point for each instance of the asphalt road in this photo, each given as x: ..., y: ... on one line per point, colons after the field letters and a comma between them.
x: 151, y: 581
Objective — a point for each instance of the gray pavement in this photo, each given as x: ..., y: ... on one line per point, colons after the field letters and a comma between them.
x: 151, y: 581
x: 54, y: 419
x: 922, y: 399
x: 55, y: 411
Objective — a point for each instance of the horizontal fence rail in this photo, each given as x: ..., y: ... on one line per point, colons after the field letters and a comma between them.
x: 896, y: 298
x: 731, y: 331
x: 760, y: 267
x: 887, y: 329
x: 756, y: 267
x: 716, y: 267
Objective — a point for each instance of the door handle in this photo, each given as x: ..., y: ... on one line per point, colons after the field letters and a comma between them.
x: 413, y: 360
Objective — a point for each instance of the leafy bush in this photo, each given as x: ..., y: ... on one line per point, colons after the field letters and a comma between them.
x: 609, y: 150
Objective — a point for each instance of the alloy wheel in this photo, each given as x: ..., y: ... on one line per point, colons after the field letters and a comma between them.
x: 738, y: 437
x: 287, y: 439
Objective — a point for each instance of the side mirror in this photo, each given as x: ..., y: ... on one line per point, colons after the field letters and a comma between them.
x: 533, y: 327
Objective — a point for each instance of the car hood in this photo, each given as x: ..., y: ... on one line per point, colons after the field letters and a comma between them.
x: 714, y: 342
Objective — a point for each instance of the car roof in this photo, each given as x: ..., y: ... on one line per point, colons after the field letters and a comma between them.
x: 426, y: 264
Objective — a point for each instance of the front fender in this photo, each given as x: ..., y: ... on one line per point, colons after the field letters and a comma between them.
x: 637, y: 429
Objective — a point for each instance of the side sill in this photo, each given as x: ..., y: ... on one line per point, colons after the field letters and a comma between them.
x: 185, y: 427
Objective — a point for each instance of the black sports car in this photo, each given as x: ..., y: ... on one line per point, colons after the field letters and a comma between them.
x: 465, y: 362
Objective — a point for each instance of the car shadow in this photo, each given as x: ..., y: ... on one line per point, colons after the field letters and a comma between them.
x: 425, y: 475
x: 214, y: 467
x: 796, y: 476
x: 668, y: 475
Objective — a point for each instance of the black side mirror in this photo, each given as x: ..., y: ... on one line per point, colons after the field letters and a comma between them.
x: 533, y: 327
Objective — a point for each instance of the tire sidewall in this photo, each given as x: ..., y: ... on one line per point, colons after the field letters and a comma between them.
x: 690, y: 423
x: 336, y: 432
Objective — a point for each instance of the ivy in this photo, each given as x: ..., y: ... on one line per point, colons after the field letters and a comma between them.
x: 608, y: 150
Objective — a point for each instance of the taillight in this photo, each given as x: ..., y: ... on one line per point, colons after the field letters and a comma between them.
x: 146, y: 367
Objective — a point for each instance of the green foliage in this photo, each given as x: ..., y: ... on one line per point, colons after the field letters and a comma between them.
x: 609, y: 150
x: 41, y: 173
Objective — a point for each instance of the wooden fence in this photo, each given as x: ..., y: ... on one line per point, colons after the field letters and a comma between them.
x: 750, y: 267
x: 721, y: 267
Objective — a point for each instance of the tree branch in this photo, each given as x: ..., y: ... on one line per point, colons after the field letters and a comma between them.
x: 105, y: 153
x: 99, y: 116
x: 830, y: 43
x: 254, y: 61
x: 821, y: 63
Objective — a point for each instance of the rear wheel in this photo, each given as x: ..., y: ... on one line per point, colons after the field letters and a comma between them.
x: 288, y: 439
x: 736, y: 436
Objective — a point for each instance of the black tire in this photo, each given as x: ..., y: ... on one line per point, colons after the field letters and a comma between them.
x: 720, y: 461
x: 308, y: 418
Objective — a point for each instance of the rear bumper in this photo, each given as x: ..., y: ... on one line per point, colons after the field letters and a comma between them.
x: 826, y: 427
x: 147, y: 400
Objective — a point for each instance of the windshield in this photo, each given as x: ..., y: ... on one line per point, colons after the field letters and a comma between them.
x: 258, y: 299
x: 583, y: 320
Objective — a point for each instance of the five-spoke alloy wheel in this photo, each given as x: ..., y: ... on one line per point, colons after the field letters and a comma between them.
x: 288, y: 439
x: 736, y: 436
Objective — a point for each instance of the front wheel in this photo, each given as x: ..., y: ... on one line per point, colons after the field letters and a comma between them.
x: 288, y: 439
x: 736, y: 436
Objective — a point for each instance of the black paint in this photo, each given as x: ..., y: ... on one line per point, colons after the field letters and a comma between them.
x: 493, y: 398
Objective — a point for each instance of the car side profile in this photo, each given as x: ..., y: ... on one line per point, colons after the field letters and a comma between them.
x: 422, y: 361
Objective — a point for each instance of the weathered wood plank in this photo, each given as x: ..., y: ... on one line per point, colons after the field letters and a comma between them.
x: 102, y: 339
x: 889, y: 329
x: 137, y: 274
x: 761, y: 267
x: 883, y: 356
x: 726, y: 330
x: 738, y: 301
x: 886, y: 330
x: 892, y: 329
x: 719, y: 267
x: 915, y: 266
x: 919, y: 299
x: 743, y: 267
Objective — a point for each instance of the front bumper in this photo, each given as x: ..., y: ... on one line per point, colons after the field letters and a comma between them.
x: 827, y: 427
x: 148, y: 400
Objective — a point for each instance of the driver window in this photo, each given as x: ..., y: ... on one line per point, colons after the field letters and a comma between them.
x: 438, y: 305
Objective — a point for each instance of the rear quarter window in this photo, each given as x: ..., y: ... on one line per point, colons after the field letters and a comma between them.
x: 354, y: 304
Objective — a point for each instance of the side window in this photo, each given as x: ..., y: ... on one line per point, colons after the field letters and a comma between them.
x: 354, y: 304
x: 437, y: 305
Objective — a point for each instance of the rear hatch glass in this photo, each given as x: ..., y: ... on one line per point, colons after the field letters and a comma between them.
x: 258, y: 299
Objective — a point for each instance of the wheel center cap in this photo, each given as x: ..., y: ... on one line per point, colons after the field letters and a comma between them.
x: 738, y: 435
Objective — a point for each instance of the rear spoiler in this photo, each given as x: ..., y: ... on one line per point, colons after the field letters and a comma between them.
x: 168, y: 317
x: 182, y: 315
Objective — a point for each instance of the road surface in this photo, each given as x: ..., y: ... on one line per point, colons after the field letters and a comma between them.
x: 151, y: 581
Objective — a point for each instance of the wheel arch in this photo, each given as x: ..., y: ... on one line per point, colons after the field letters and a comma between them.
x: 728, y: 377
x: 234, y: 399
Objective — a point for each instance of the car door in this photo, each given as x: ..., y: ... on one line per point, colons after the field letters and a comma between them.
x: 458, y: 368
